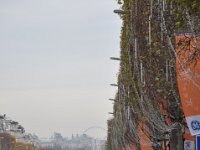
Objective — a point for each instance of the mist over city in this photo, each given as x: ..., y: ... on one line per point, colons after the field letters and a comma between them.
x: 99, y: 75
x: 55, y: 72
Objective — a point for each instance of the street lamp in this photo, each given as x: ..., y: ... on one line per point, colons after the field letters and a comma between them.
x: 114, y: 58
x: 111, y: 99
x: 111, y: 113
x: 119, y: 11
x: 113, y: 84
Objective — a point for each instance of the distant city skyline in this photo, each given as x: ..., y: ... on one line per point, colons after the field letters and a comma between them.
x: 55, y: 70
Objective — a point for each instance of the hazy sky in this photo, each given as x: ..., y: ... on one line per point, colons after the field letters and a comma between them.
x: 54, y: 63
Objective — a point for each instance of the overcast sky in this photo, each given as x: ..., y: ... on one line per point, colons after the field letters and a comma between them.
x: 54, y: 63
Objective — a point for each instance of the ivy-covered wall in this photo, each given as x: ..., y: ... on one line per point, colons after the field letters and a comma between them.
x: 147, y: 109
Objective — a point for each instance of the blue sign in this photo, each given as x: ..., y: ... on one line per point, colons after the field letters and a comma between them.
x: 198, y: 142
x: 195, y: 125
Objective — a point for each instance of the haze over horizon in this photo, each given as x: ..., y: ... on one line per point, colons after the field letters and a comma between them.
x: 55, y: 68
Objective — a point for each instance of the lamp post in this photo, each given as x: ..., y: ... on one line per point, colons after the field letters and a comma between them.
x: 111, y: 99
x: 115, y: 58
x: 113, y: 84
x: 119, y: 11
